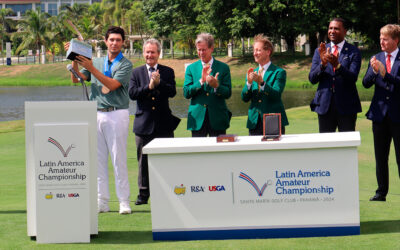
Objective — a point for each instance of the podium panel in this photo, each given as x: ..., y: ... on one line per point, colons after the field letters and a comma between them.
x: 303, y: 185
x: 61, y: 171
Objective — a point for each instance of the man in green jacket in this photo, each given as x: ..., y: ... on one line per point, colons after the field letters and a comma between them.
x: 264, y: 87
x: 207, y: 84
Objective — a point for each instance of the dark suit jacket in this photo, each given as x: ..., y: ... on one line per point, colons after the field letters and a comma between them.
x: 269, y: 100
x: 342, y: 81
x: 386, y: 100
x: 152, y: 107
x: 204, y: 97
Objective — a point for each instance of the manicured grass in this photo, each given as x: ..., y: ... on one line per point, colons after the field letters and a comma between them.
x: 380, y: 221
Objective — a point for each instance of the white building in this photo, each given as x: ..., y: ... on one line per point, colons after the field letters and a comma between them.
x: 50, y: 6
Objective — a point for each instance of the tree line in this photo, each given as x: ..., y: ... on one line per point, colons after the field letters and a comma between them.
x: 181, y: 20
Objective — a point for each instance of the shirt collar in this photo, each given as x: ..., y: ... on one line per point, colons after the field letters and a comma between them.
x: 265, y: 67
x: 210, y: 62
x: 393, y: 54
x: 340, y: 45
x: 148, y: 67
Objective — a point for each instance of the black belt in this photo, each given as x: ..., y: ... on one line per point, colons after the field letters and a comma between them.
x: 108, y: 109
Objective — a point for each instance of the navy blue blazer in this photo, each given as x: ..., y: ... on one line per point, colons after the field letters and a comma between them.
x: 342, y: 82
x: 152, y: 106
x: 386, y: 100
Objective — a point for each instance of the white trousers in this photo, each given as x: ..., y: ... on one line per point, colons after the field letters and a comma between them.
x: 112, y: 138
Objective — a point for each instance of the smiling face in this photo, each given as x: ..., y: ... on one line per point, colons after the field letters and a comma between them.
x: 114, y: 43
x: 261, y: 55
x: 388, y: 44
x: 151, y: 54
x: 336, y: 32
x: 204, y: 52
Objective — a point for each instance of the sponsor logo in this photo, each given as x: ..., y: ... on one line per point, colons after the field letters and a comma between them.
x: 73, y: 195
x: 247, y: 178
x: 216, y: 188
x: 61, y: 148
x: 196, y: 189
x: 48, y: 196
x: 180, y: 190
x: 60, y: 196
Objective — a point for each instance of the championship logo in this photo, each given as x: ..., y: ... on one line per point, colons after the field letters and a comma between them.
x: 259, y: 191
x: 58, y: 145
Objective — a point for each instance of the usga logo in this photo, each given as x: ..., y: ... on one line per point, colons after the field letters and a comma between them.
x: 216, y: 188
x: 180, y: 190
x: 73, y: 195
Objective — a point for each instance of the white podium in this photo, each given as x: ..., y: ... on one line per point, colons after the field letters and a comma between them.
x: 303, y: 185
x: 61, y: 171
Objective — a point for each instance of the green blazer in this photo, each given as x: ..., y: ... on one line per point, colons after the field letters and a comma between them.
x: 203, y: 98
x: 267, y: 100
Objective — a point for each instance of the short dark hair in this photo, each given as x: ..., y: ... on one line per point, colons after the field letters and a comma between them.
x: 115, y: 30
x: 342, y: 20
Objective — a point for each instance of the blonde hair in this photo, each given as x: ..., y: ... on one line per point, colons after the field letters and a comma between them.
x: 392, y: 30
x: 267, y: 43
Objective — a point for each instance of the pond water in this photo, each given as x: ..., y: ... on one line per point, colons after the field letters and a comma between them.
x: 12, y: 99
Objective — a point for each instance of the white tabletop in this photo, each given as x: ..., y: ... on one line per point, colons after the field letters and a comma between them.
x: 251, y: 143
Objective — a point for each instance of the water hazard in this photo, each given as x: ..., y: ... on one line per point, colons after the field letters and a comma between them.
x: 12, y: 99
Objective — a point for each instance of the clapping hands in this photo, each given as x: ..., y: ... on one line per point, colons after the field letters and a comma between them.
x: 255, y: 76
x: 154, y: 80
x: 207, y: 77
x: 326, y: 56
x: 378, y: 66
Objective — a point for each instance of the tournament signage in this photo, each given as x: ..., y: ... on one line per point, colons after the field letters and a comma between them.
x: 62, y: 182
x: 303, y: 185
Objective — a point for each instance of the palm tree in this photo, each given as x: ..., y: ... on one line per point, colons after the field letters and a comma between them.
x: 115, y: 10
x: 88, y: 29
x: 74, y: 12
x: 5, y: 24
x: 95, y: 13
x: 96, y: 16
x: 33, y: 30
x: 57, y: 33
x: 136, y: 19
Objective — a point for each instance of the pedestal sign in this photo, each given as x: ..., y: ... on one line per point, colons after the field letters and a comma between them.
x: 62, y: 182
x: 61, y: 171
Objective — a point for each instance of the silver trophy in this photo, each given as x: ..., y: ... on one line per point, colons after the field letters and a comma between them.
x: 77, y: 46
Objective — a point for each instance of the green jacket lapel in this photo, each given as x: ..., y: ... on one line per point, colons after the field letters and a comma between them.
x: 268, y: 73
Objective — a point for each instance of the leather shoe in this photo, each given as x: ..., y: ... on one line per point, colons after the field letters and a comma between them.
x: 140, y: 200
x: 378, y: 197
